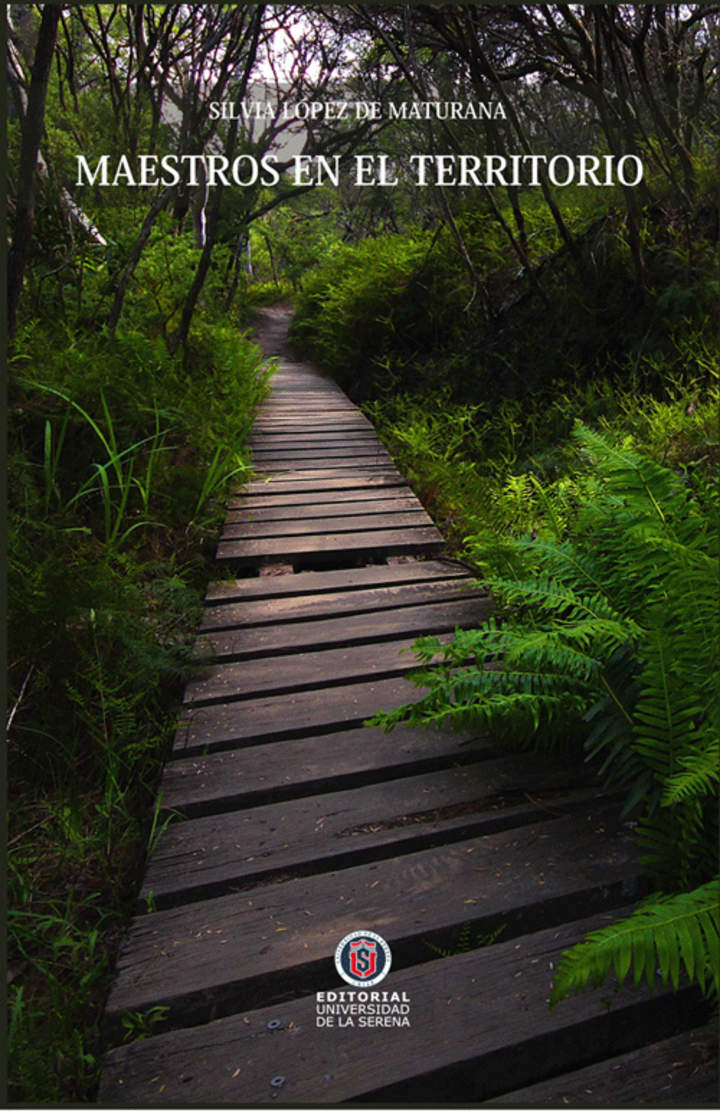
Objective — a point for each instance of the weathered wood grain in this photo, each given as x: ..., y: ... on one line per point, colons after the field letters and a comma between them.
x: 286, y: 769
x: 340, y: 508
x: 682, y: 1071
x: 321, y: 424
x: 297, y: 462
x: 329, y: 479
x: 295, y: 672
x: 284, y: 440
x: 345, y: 580
x: 222, y: 726
x: 324, y: 456
x: 345, y: 629
x: 347, y: 523
x: 411, y: 539
x: 306, y: 500
x: 201, y: 857
x: 267, y: 611
x: 479, y: 1026
x: 232, y: 951
x: 301, y: 469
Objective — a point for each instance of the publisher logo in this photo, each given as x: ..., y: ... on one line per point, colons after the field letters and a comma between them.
x: 363, y: 958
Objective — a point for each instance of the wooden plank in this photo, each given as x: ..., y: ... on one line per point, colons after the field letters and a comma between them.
x: 681, y: 1071
x: 293, y: 419
x: 233, y: 951
x: 340, y: 447
x: 284, y: 770
x: 479, y: 1024
x: 263, y: 456
x: 292, y: 384
x: 314, y: 404
x: 291, y: 389
x: 367, y: 455
x: 348, y: 523
x: 204, y: 857
x: 300, y: 469
x: 282, y: 439
x: 319, y: 461
x: 351, y: 433
x: 266, y: 612
x: 296, y: 672
x: 315, y: 509
x: 343, y: 445
x: 304, y: 501
x: 350, y: 629
x: 321, y: 426
x: 224, y: 726
x: 425, y: 539
x: 319, y: 478
x: 347, y: 579
x: 330, y: 480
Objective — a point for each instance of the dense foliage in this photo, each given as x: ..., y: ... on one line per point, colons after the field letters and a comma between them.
x: 427, y: 330
x: 605, y: 643
x: 118, y: 452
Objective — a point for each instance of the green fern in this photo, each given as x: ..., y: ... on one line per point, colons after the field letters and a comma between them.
x: 663, y: 936
x: 607, y: 635
x: 697, y: 777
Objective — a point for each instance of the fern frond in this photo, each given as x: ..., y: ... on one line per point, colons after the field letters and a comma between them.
x: 663, y: 934
x: 676, y: 849
x: 522, y: 714
x: 562, y: 559
x: 668, y: 713
x: 555, y: 597
x: 699, y: 775
x: 653, y: 489
x: 606, y: 634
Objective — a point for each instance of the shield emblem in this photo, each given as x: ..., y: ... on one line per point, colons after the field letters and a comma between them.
x: 363, y: 958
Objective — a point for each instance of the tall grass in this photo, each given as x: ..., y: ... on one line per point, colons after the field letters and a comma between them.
x: 119, y: 458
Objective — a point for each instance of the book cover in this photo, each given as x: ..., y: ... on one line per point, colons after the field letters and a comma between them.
x: 332, y: 328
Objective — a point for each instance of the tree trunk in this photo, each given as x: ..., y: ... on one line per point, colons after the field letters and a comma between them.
x: 139, y: 246
x: 180, y: 337
x: 32, y: 134
x: 213, y: 217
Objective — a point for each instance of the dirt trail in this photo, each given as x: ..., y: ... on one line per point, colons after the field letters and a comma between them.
x: 271, y: 326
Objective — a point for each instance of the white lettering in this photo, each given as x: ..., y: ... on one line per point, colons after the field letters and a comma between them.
x: 83, y: 168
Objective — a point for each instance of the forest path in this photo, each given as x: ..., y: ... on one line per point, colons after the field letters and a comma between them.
x: 299, y: 825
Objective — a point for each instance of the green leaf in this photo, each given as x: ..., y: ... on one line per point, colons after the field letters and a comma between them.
x: 665, y: 933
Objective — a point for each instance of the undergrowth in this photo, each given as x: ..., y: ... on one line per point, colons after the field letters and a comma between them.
x: 509, y: 467
x: 604, y: 639
x: 119, y: 455
x: 399, y: 315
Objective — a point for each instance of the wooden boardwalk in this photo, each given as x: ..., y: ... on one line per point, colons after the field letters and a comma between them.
x: 300, y: 825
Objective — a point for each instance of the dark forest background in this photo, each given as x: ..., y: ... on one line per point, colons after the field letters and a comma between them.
x: 541, y: 362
